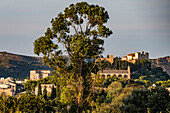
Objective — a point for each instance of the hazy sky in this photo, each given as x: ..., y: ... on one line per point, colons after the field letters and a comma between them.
x: 137, y: 25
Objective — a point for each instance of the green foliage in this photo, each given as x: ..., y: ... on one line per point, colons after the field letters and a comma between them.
x: 163, y: 83
x: 30, y: 85
x: 25, y: 103
x: 80, y: 29
x: 32, y: 103
x: 158, y: 100
x: 113, y: 89
x: 110, y: 99
x: 144, y: 80
x: 136, y: 102
x: 7, y: 104
x: 66, y: 96
x: 109, y: 80
x: 152, y: 75
x: 155, y: 100
x: 98, y: 80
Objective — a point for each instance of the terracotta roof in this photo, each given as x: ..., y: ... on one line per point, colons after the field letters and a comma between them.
x: 114, y: 71
x: 124, y: 57
x: 132, y: 54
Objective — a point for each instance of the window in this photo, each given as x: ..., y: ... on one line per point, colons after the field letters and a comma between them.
x: 103, y: 76
x: 108, y: 75
x: 119, y: 75
x: 125, y: 76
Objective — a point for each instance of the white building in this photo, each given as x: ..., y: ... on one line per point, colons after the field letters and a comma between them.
x: 39, y: 74
x: 136, y: 56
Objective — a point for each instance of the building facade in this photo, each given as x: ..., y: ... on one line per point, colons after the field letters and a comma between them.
x: 47, y: 86
x: 116, y: 73
x: 136, y: 56
x: 10, y: 87
x: 39, y: 74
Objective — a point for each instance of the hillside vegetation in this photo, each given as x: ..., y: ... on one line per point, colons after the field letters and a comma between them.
x: 19, y: 66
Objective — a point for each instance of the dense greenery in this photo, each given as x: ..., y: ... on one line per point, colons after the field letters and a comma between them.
x: 25, y: 103
x: 111, y: 95
x: 155, y: 100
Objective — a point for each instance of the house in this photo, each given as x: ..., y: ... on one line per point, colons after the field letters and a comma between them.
x: 7, y: 89
x: 133, y: 57
x: 39, y: 74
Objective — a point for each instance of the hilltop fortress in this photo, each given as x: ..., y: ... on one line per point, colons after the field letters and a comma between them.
x: 132, y: 57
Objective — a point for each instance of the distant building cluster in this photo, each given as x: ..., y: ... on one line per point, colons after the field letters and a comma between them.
x: 10, y: 87
x: 39, y: 74
x: 132, y: 57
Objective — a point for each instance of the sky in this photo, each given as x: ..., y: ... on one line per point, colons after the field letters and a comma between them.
x: 137, y: 25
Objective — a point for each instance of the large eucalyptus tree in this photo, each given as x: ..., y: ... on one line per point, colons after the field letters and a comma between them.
x: 80, y: 29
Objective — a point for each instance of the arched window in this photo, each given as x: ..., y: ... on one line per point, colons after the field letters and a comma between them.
x: 125, y: 76
x: 119, y: 75
x: 108, y: 75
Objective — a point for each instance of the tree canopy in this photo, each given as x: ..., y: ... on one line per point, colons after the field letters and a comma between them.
x: 80, y: 29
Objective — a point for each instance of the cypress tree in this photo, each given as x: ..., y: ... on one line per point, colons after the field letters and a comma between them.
x: 45, y: 93
x: 39, y: 89
x: 53, y: 93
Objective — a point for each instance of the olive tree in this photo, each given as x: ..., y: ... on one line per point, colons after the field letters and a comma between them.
x: 80, y: 31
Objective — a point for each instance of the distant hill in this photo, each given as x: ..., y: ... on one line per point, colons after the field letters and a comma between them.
x: 163, y: 62
x: 19, y: 66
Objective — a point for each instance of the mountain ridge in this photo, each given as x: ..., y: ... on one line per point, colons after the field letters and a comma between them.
x: 19, y: 66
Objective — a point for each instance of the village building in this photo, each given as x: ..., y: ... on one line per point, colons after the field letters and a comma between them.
x: 39, y: 74
x: 47, y: 86
x: 116, y: 73
x: 133, y: 57
x: 10, y: 87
